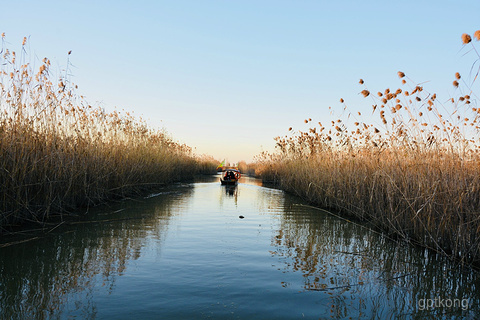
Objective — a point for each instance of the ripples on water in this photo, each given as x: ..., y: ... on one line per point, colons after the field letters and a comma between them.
x: 184, y: 253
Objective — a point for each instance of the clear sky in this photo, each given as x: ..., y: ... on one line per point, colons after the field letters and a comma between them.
x: 226, y: 77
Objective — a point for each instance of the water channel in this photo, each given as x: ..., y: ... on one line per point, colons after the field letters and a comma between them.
x: 205, y: 251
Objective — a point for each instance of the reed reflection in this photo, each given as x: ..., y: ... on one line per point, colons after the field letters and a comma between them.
x: 58, y: 273
x: 360, y: 273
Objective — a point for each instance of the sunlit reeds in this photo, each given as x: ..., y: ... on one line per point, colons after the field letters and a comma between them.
x: 57, y: 152
x: 414, y: 172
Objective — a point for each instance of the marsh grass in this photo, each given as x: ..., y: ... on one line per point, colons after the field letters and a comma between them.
x: 415, y: 173
x: 57, y: 152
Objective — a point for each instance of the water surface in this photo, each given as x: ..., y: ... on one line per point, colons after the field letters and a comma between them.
x: 205, y: 251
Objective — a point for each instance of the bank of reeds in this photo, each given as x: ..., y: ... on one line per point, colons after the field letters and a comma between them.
x: 57, y: 152
x: 415, y: 174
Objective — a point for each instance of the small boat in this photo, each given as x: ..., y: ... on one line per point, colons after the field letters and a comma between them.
x: 230, y: 177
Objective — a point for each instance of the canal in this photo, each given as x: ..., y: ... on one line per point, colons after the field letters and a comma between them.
x: 205, y: 251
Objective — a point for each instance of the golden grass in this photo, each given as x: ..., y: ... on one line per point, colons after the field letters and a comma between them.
x: 415, y: 175
x: 57, y: 152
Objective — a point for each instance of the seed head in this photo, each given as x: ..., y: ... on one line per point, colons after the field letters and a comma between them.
x: 466, y: 38
x: 361, y: 81
x: 401, y: 74
x: 477, y: 35
x: 365, y: 93
x: 341, y: 100
x: 455, y: 83
x: 457, y: 75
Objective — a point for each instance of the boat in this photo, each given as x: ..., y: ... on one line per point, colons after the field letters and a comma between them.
x: 230, y: 177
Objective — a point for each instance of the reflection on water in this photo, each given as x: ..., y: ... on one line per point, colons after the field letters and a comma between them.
x: 183, y: 252
x: 232, y: 191
x: 368, y: 275
x: 62, y: 270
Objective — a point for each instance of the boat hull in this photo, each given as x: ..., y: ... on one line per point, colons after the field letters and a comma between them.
x: 228, y: 182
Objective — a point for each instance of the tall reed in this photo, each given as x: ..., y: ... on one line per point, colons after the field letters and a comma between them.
x: 415, y: 174
x: 57, y: 152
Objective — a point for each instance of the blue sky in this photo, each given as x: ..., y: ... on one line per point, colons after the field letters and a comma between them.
x: 226, y: 77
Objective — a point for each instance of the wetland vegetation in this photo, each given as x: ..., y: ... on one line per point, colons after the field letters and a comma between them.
x: 413, y: 171
x: 57, y: 152
x: 197, y: 249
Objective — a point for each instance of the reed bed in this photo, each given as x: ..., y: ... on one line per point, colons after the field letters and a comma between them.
x: 57, y: 152
x: 413, y: 171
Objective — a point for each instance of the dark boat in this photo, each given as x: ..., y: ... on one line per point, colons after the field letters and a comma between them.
x: 230, y: 177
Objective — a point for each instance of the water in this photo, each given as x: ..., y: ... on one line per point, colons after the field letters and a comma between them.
x: 184, y: 252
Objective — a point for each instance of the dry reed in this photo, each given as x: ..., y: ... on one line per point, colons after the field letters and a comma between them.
x: 57, y: 152
x: 417, y: 176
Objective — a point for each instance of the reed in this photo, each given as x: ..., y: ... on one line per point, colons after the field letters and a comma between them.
x: 414, y: 173
x: 57, y: 152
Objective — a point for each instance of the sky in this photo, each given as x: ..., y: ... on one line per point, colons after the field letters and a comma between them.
x: 227, y: 77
